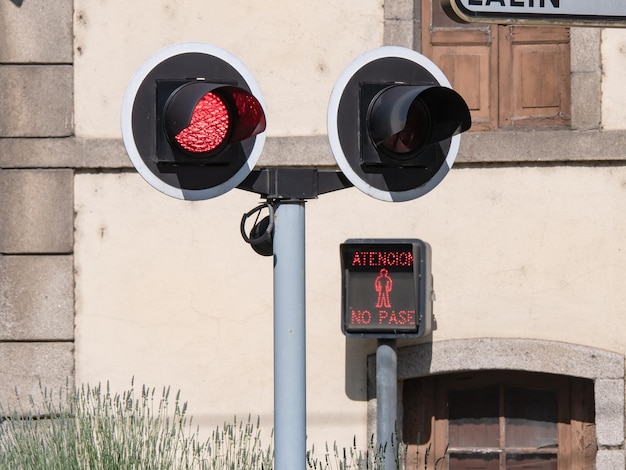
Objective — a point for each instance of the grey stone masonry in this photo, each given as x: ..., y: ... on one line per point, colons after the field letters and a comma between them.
x: 36, y: 298
x: 23, y: 366
x: 36, y: 202
x: 72, y: 152
x: 36, y: 31
x: 609, y: 399
x: 36, y: 100
x: 36, y: 211
x: 401, y: 18
x: 586, y: 75
x: 611, y: 459
x: 529, y: 146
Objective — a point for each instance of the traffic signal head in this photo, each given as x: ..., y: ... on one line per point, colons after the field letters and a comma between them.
x: 393, y: 124
x: 193, y: 121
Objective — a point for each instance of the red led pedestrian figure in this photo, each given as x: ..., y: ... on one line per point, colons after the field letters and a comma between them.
x: 383, y: 285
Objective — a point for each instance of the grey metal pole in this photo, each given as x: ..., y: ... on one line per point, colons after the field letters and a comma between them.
x: 289, y: 337
x: 387, y: 400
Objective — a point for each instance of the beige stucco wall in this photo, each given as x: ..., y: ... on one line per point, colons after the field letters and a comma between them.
x: 295, y: 50
x: 168, y: 292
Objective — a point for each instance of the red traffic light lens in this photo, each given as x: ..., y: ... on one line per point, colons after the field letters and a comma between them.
x: 251, y: 118
x: 200, y: 119
x: 208, y: 127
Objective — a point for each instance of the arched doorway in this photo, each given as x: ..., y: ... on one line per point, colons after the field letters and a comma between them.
x: 593, y: 375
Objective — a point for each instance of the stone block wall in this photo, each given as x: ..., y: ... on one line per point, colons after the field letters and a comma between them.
x: 36, y: 201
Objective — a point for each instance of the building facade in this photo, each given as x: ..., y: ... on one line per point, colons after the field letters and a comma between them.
x: 104, y: 279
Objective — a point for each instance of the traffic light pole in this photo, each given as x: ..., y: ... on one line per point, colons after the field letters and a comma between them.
x: 286, y: 189
x: 289, y: 337
x: 387, y: 400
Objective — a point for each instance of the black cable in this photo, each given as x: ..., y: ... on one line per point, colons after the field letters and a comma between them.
x: 267, y: 234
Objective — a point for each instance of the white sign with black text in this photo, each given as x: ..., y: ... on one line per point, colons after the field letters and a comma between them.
x: 601, y: 13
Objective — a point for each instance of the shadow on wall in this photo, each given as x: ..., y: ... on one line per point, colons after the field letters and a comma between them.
x: 360, y: 370
x: 18, y: 3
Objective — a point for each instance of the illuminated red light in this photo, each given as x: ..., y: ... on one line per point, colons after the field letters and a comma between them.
x: 251, y: 118
x: 208, y: 128
x: 382, y: 258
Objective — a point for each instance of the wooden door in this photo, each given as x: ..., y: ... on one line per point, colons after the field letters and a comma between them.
x: 510, y: 76
x: 535, y: 67
x: 499, y: 420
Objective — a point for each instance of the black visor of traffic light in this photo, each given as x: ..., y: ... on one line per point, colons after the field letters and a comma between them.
x: 405, y: 119
x: 200, y: 119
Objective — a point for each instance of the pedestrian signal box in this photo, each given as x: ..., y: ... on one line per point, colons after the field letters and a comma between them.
x: 386, y: 288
